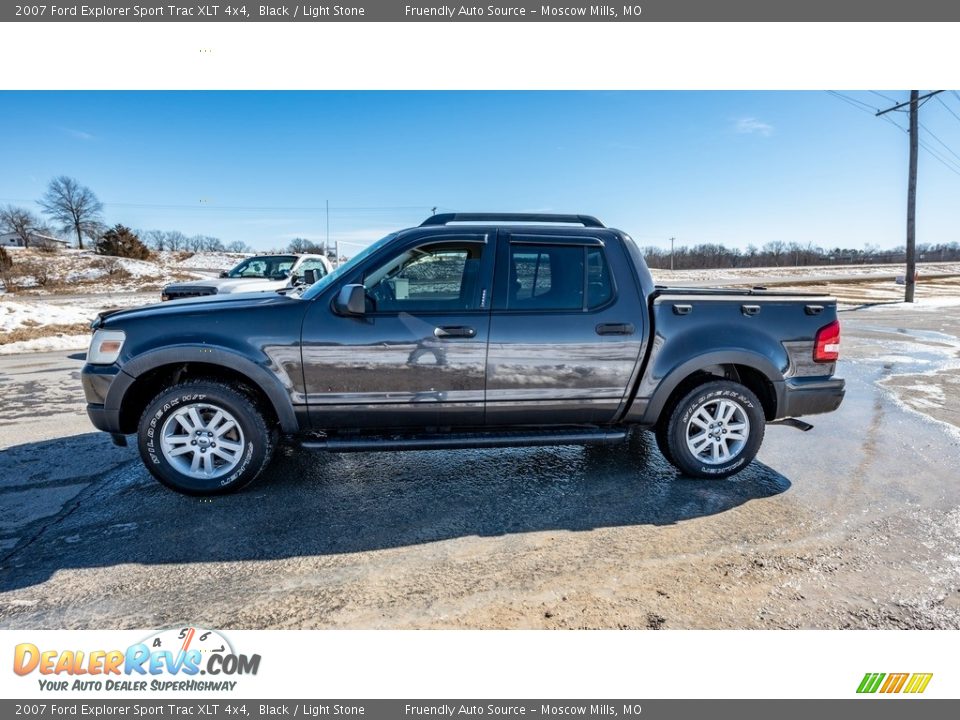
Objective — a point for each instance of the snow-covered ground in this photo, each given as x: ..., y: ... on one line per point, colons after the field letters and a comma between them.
x: 83, y: 271
x: 922, y: 304
x: 53, y: 296
x: 60, y: 341
x: 207, y: 260
x: 722, y: 275
x: 14, y: 315
x: 54, y: 323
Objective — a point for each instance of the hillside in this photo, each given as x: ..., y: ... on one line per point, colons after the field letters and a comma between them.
x: 74, y: 272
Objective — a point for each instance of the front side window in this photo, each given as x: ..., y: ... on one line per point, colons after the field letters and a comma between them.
x: 271, y: 267
x: 557, y: 277
x: 313, y: 264
x: 434, y: 277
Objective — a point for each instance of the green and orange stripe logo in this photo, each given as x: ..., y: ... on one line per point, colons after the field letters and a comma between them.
x: 913, y: 683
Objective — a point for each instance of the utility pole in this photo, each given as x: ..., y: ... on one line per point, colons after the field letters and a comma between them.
x: 912, y: 201
x: 671, y: 252
x: 914, y: 103
x: 327, y: 244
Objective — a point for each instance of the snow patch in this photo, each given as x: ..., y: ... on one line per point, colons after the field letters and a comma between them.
x: 47, y: 344
x: 15, y: 315
x: 921, y: 304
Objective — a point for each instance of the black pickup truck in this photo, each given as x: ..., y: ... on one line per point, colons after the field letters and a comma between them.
x: 469, y: 331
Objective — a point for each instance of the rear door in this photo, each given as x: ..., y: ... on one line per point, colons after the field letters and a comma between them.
x: 564, y: 337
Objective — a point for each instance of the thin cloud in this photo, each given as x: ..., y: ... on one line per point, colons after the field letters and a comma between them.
x: 78, y: 134
x: 752, y: 126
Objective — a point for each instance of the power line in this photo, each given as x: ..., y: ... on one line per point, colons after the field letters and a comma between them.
x: 948, y: 107
x: 933, y: 135
x: 881, y: 95
x: 859, y: 104
x: 946, y: 162
x: 853, y: 102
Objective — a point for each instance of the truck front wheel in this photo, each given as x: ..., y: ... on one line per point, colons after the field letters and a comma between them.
x: 204, y: 438
x: 714, y: 431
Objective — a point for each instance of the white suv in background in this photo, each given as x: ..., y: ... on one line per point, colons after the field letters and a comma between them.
x: 260, y: 273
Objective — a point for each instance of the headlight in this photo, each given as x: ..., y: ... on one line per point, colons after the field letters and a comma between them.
x: 105, y: 347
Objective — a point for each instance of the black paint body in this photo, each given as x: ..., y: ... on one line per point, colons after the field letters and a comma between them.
x: 490, y: 366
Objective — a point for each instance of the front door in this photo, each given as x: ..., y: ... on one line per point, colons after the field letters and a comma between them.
x: 416, y: 358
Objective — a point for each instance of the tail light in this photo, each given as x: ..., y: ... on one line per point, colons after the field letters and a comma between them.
x: 827, y: 345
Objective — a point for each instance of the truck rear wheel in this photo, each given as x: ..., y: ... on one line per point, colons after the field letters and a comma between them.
x: 204, y: 438
x: 713, y: 431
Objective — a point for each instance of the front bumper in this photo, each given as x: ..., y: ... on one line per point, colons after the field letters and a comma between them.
x: 104, y: 387
x: 809, y: 396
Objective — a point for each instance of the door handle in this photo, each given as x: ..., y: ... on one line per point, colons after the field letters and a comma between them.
x: 682, y: 309
x: 615, y: 329
x: 446, y: 331
x: 750, y: 309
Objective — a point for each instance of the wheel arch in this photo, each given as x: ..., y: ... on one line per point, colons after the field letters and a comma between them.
x: 752, y: 370
x: 154, y: 371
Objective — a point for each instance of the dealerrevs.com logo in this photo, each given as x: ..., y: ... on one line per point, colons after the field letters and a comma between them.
x: 909, y: 683
x: 168, y: 660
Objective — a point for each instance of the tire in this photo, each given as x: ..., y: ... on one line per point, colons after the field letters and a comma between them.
x: 204, y: 437
x: 713, y: 431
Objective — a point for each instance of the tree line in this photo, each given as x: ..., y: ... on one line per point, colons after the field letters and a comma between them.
x: 782, y: 254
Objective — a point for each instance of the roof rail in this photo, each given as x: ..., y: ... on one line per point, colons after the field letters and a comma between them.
x: 446, y: 218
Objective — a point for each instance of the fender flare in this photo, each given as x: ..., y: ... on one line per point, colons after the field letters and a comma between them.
x: 681, y: 372
x: 265, y: 380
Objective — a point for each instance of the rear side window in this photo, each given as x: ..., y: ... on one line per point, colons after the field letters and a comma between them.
x: 599, y: 285
x: 557, y: 277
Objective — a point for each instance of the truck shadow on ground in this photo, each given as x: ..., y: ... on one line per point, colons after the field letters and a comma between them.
x: 309, y: 504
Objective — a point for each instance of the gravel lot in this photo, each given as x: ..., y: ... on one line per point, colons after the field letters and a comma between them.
x: 852, y: 525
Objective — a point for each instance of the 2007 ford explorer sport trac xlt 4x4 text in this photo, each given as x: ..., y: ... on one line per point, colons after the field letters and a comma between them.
x: 469, y: 331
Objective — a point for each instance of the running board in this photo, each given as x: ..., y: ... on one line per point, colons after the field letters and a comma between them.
x: 463, y: 441
x: 794, y: 423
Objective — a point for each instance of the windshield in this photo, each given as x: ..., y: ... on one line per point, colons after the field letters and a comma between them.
x: 264, y: 266
x: 324, y: 282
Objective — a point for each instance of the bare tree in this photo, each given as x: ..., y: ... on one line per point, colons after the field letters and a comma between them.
x: 156, y: 239
x: 176, y: 240
x: 74, y: 206
x: 775, y: 249
x: 214, y: 244
x: 238, y: 246
x: 20, y: 221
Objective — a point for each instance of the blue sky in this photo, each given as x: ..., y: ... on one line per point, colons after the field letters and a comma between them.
x: 729, y: 167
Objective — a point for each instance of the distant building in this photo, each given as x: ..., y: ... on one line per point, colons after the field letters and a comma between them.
x: 11, y: 239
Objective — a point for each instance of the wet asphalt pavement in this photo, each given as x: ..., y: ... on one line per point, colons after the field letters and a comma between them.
x: 854, y: 524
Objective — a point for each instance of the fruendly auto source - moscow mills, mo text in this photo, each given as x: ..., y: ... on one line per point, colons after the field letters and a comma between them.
x: 491, y: 11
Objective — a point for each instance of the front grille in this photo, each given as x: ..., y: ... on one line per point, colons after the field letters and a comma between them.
x: 178, y: 293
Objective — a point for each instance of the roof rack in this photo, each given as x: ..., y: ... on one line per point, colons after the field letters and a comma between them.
x: 446, y: 218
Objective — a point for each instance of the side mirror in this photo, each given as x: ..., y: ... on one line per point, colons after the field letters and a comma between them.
x: 351, y: 300
x: 309, y: 276
x: 224, y: 273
